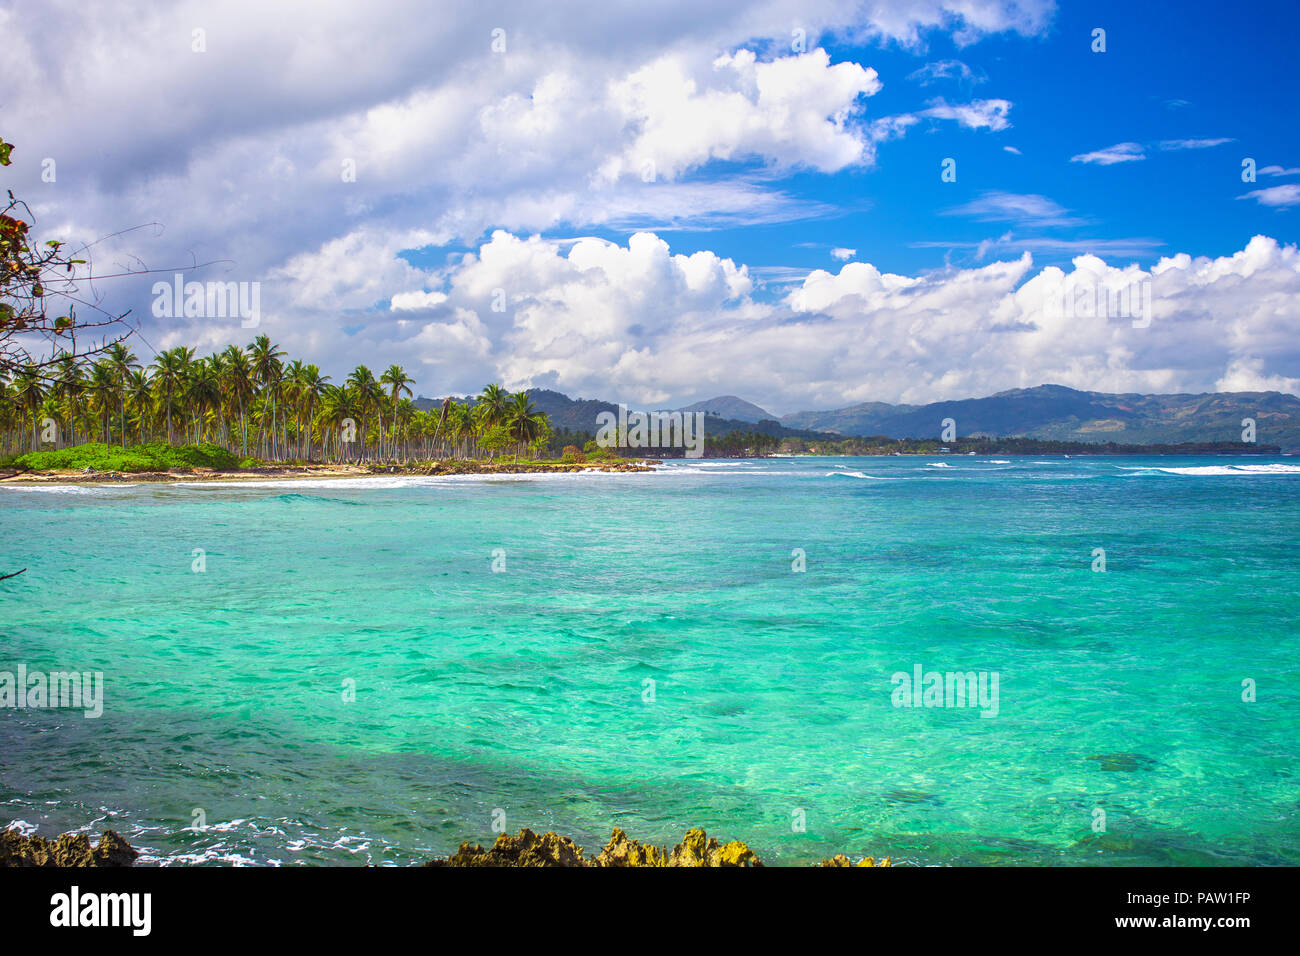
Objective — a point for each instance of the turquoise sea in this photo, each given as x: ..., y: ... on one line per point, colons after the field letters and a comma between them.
x: 648, y: 659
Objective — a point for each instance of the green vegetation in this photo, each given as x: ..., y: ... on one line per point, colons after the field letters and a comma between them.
x: 155, y: 456
x: 247, y: 402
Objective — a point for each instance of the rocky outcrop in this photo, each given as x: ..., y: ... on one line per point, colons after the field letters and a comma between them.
x: 68, y: 850
x: 697, y: 849
x: 840, y: 859
x: 551, y: 849
x: 624, y: 851
x: 527, y: 849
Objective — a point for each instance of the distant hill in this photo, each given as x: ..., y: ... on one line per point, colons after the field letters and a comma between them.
x: 1046, y: 411
x: 729, y: 406
x: 1066, y: 414
x: 579, y: 415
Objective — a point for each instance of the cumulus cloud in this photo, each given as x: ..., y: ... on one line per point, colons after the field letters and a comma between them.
x: 296, y: 156
x: 416, y: 301
x: 842, y: 254
x: 283, y: 148
x: 1247, y: 375
x: 641, y: 323
x: 792, y: 111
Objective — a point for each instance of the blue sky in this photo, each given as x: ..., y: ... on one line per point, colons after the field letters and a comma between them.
x: 467, y: 194
x: 1200, y: 73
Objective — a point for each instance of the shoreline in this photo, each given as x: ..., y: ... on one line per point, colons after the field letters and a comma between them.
x: 448, y: 467
x: 548, y: 849
x: 318, y: 471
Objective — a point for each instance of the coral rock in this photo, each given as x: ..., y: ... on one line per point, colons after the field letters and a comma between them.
x: 551, y: 849
x: 623, y: 851
x: 697, y: 849
x: 527, y: 849
x: 840, y: 859
x: 67, y: 850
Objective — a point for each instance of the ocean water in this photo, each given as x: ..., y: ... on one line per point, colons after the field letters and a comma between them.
x: 646, y: 657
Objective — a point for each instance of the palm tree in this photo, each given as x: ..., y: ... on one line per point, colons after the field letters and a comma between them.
x: 293, y: 393
x: 202, y: 393
x: 141, y: 393
x: 237, y: 385
x: 493, y: 401
x: 522, y: 420
x: 70, y: 383
x: 30, y: 391
x: 491, y: 408
x: 398, y: 383
x: 217, y: 361
x: 102, y: 384
x: 170, y: 369
x: 460, y: 426
x: 265, y: 359
x: 313, y: 387
x: 207, y: 394
x: 337, y: 403
x: 404, y: 413
x: 121, y: 360
x: 367, y: 394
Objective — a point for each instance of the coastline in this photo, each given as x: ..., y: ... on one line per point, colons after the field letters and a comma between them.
x: 528, y: 849
x: 319, y: 471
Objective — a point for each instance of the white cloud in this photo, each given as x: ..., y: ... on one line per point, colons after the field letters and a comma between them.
x: 1285, y: 195
x: 977, y: 114
x: 1247, y: 375
x: 793, y: 111
x: 1119, y: 153
x: 842, y: 254
x: 1132, y: 247
x: 641, y: 323
x: 1028, y: 209
x: 1178, y: 144
x: 451, y: 142
x: 1280, y: 171
x: 945, y: 70
x: 417, y: 301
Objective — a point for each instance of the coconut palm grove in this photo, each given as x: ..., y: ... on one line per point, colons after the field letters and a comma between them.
x: 245, y: 404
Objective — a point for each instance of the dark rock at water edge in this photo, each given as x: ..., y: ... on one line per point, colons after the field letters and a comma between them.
x: 697, y: 849
x: 68, y: 850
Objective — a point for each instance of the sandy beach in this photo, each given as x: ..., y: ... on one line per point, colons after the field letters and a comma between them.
x: 322, y: 471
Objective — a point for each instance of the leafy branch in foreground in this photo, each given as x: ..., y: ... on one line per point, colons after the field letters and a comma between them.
x: 32, y: 332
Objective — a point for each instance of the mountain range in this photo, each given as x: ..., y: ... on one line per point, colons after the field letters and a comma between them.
x: 1045, y: 411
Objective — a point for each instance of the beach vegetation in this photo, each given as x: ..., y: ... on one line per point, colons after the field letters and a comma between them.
x: 251, y: 404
